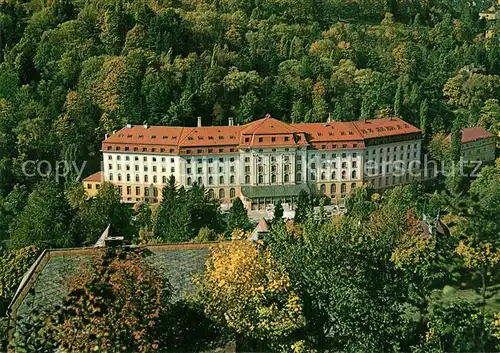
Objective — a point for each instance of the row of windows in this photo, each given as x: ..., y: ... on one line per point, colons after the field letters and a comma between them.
x: 137, y: 178
x: 333, y: 188
x: 210, y: 160
x: 354, y: 164
x: 343, y: 175
x: 334, y: 155
x: 189, y: 180
x: 210, y: 170
x: 147, y: 192
x: 388, y: 157
x: 145, y: 168
x: 222, y: 193
x: 260, y: 179
x: 394, y: 149
x: 145, y: 158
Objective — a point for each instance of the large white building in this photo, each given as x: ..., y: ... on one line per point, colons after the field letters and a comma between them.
x: 262, y: 161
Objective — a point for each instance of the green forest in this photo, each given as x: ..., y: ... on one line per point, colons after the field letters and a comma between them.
x: 73, y: 71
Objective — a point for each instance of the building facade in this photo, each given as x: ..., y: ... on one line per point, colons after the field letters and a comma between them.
x: 478, y: 145
x: 262, y: 161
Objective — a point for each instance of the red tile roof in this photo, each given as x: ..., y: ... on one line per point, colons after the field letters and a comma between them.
x: 475, y: 133
x: 265, y: 132
x: 94, y: 177
x: 384, y: 127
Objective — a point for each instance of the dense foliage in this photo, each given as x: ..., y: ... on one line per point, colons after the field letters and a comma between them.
x: 72, y: 71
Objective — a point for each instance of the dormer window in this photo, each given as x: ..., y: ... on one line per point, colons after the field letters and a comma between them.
x: 141, y: 136
x: 153, y: 137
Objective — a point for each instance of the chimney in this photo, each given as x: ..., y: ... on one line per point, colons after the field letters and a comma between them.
x: 106, y: 136
x: 129, y: 126
x: 145, y: 124
x: 329, y: 120
x: 231, y: 119
x: 199, y: 121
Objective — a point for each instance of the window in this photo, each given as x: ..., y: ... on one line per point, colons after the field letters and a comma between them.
x: 334, y: 175
x: 232, y: 193
x: 333, y: 189
x: 211, y: 193
x: 231, y: 179
x: 299, y: 167
x: 344, y: 155
x: 137, y: 190
x: 313, y: 176
x: 129, y: 190
x: 323, y: 176
x: 222, y: 194
x: 221, y: 180
x: 118, y: 166
x: 210, y: 180
x: 247, y: 179
x: 286, y: 178
x: 354, y: 164
x: 210, y: 160
x: 189, y: 180
x: 145, y: 168
x: 145, y: 178
x: 128, y: 177
x: 273, y: 178
x: 89, y: 186
x: 200, y: 181
x: 343, y: 188
x: 137, y: 178
x: 188, y: 171
x: 354, y: 155
x: 154, y: 168
x: 119, y: 177
x: 155, y: 191
x: 286, y: 138
x: 353, y: 186
x: 344, y: 174
x: 200, y: 170
x: 261, y: 179
x: 136, y: 168
x: 247, y: 169
x: 155, y: 179
x: 322, y: 188
x: 261, y: 139
x: 110, y: 166
x: 247, y: 159
x: 313, y: 165
x: 164, y: 179
x: 231, y: 169
x: 353, y: 174
x: 273, y: 139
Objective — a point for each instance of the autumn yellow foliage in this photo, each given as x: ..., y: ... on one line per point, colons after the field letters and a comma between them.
x: 244, y: 288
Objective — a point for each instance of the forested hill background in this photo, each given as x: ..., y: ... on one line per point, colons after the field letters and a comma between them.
x: 72, y: 71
